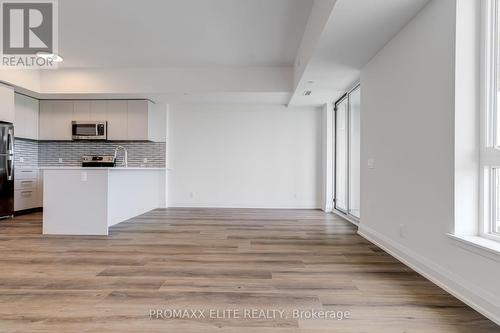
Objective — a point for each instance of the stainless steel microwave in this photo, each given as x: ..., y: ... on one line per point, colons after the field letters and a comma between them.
x: 89, y: 130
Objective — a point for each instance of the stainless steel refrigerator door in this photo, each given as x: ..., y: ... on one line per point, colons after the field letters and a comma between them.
x: 6, y: 138
x: 6, y: 185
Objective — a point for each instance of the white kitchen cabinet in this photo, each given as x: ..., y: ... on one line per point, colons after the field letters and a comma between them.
x: 128, y: 120
x: 98, y: 110
x: 31, y: 118
x: 25, y: 199
x: 55, y: 119
x: 20, y: 114
x: 117, y: 119
x: 81, y: 111
x: 157, y: 122
x: 7, y: 104
x: 26, y: 117
x: 146, y: 121
x: 28, y: 192
x: 137, y: 120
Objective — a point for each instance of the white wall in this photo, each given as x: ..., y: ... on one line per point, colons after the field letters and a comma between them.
x: 260, y: 156
x: 27, y: 79
x: 328, y: 157
x: 156, y: 80
x: 408, y: 105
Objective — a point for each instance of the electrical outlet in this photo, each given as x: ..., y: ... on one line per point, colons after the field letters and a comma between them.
x: 371, y: 163
x: 402, y: 230
x: 191, y: 195
x: 145, y: 161
x: 83, y: 176
x: 21, y: 159
x: 60, y: 160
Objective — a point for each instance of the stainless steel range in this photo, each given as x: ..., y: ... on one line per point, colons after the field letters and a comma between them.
x: 104, y: 161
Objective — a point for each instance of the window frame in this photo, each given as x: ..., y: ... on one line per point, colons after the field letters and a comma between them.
x: 490, y: 145
x: 347, y: 212
x: 344, y: 98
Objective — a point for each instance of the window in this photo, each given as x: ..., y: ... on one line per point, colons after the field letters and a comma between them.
x: 341, y: 154
x: 490, y: 138
x: 355, y: 152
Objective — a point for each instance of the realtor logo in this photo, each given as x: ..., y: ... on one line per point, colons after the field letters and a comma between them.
x: 28, y: 30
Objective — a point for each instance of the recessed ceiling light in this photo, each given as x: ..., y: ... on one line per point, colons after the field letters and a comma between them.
x: 53, y: 56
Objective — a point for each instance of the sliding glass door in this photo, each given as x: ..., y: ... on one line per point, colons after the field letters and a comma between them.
x: 348, y: 153
x: 341, y: 156
x: 354, y: 152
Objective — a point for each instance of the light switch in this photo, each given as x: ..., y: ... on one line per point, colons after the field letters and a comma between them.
x: 21, y: 159
x: 371, y: 163
x: 60, y: 160
x: 83, y: 176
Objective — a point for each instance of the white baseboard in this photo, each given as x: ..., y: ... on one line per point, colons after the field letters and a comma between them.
x: 475, y: 297
x: 247, y: 206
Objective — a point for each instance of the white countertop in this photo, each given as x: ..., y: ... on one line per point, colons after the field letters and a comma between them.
x: 97, y: 168
x: 28, y: 167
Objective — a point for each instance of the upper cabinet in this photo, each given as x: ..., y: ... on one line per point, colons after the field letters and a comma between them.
x: 98, y: 110
x: 6, y: 104
x: 138, y: 120
x: 81, y: 110
x: 117, y: 120
x: 55, y: 119
x: 26, y: 117
x: 127, y: 119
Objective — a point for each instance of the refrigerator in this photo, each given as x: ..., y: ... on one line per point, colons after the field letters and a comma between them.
x: 6, y: 170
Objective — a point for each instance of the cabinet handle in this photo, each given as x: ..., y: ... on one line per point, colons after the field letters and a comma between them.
x: 26, y: 181
x: 26, y: 192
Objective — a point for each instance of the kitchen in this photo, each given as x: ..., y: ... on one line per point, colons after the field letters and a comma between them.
x: 89, y: 164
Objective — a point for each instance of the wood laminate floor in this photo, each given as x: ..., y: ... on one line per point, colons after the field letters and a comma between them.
x: 208, y: 259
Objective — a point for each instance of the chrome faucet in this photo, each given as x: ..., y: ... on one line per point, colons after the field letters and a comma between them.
x: 125, y: 157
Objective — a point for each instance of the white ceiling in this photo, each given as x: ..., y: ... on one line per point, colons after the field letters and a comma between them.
x: 248, y: 51
x: 356, y: 30
x: 161, y: 33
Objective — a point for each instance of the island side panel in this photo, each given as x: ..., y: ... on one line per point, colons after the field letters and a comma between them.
x: 75, y: 202
x: 134, y: 192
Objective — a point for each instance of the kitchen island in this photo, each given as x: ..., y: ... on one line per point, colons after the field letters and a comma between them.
x: 87, y: 201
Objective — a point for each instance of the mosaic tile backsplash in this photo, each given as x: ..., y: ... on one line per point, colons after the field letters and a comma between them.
x: 48, y: 153
x: 28, y: 150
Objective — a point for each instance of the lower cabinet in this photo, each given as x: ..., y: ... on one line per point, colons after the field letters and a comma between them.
x: 28, y: 189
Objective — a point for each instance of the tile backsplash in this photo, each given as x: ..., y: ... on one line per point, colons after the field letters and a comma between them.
x: 27, y: 151
x: 48, y: 153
